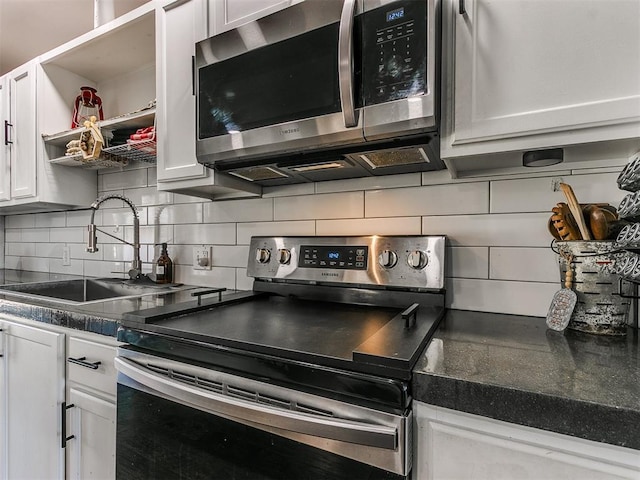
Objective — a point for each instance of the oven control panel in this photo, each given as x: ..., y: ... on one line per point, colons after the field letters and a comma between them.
x: 397, y: 261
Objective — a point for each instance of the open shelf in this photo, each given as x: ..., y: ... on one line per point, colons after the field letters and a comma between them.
x: 112, y: 156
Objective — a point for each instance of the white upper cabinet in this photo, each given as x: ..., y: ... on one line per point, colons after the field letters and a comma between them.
x: 228, y: 14
x: 532, y: 74
x: 5, y: 152
x: 22, y: 131
x: 180, y: 25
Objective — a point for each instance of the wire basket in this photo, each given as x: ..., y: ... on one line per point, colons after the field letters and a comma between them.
x: 600, y: 309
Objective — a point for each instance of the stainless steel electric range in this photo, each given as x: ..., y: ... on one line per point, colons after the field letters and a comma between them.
x: 308, y: 376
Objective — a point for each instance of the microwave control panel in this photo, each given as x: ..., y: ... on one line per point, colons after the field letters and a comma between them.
x: 394, y: 51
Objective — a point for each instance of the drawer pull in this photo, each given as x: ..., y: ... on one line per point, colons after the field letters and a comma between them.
x: 83, y: 363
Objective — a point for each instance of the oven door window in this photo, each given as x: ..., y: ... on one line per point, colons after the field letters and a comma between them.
x: 289, y: 80
x: 161, y: 439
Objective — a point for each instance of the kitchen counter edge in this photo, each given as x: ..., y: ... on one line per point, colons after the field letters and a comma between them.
x: 511, y: 368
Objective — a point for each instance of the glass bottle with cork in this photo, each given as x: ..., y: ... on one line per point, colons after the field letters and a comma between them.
x: 164, y: 267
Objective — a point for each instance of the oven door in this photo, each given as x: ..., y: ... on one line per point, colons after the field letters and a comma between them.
x: 177, y: 420
x: 274, y: 85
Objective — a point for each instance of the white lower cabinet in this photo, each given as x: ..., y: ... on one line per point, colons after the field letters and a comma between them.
x: 92, y: 422
x: 56, y: 424
x: 454, y: 445
x: 91, y: 402
x: 32, y: 393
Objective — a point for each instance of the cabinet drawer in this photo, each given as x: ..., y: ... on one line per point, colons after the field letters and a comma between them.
x: 83, y: 367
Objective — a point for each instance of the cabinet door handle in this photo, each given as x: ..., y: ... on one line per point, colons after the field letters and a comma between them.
x: 193, y: 75
x: 461, y: 8
x: 82, y: 361
x: 63, y: 414
x: 6, y: 132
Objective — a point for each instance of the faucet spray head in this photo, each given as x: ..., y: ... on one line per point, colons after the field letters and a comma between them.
x: 93, y: 239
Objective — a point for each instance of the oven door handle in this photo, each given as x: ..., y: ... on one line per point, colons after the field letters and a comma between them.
x: 261, y: 416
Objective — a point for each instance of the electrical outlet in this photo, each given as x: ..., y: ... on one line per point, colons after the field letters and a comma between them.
x: 66, y: 256
x: 202, y: 257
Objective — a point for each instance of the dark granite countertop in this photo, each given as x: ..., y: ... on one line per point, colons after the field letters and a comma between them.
x: 513, y: 368
x: 102, y: 317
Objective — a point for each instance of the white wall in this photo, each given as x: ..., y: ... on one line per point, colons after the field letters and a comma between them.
x: 499, y: 258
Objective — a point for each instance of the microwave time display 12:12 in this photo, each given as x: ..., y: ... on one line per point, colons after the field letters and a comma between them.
x: 396, y: 14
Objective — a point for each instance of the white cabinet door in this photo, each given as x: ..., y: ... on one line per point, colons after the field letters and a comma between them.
x: 5, y: 172
x: 454, y: 445
x: 228, y: 14
x: 179, y: 25
x: 534, y: 67
x: 32, y: 387
x: 92, y: 450
x: 22, y: 92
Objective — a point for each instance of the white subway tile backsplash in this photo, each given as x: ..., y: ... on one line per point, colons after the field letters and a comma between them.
x: 122, y: 216
x: 328, y: 205
x: 216, y: 277
x: 122, y: 180
x: 219, y: 233
x: 13, y: 235
x: 75, y: 267
x: 370, y: 226
x: 79, y: 250
x: 462, y: 198
x: 248, y: 230
x: 66, y: 235
x: 504, y: 230
x: 147, y: 196
x: 530, y: 264
x: 40, y: 235
x: 56, y: 219
x: 370, y: 183
x: 81, y: 218
x: 518, y: 298
x: 467, y: 262
x: 20, y: 221
x: 175, y: 214
x: 105, y: 269
x: 537, y: 195
x: 21, y: 249
x: 50, y: 250
x: 252, y: 210
x: 32, y: 264
x: 498, y: 256
x: 243, y: 281
x: 289, y: 190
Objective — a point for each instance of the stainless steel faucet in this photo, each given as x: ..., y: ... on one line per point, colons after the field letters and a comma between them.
x: 136, y: 267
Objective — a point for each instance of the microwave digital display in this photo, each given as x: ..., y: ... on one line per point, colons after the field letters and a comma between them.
x: 396, y: 14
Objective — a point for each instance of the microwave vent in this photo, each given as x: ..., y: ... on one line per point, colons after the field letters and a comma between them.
x: 256, y: 174
x: 313, y: 167
x: 394, y: 158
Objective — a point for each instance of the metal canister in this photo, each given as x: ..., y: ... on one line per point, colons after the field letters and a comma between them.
x: 600, y: 308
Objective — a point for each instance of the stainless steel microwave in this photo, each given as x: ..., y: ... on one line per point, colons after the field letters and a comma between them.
x: 322, y: 90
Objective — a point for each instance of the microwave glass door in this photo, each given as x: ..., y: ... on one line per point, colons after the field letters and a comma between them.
x: 285, y: 81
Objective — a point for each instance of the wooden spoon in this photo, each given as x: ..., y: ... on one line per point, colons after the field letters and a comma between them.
x: 576, y: 211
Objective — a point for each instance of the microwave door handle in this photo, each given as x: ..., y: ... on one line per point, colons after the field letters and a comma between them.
x: 345, y: 63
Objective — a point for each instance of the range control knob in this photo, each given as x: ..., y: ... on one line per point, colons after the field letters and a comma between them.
x: 263, y: 255
x: 417, y: 259
x: 284, y: 256
x: 388, y: 259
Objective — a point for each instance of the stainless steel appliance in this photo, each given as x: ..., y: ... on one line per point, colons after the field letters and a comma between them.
x: 322, y: 90
x: 306, y: 376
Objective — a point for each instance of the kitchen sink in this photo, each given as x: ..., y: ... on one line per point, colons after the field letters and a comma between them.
x: 85, y: 290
